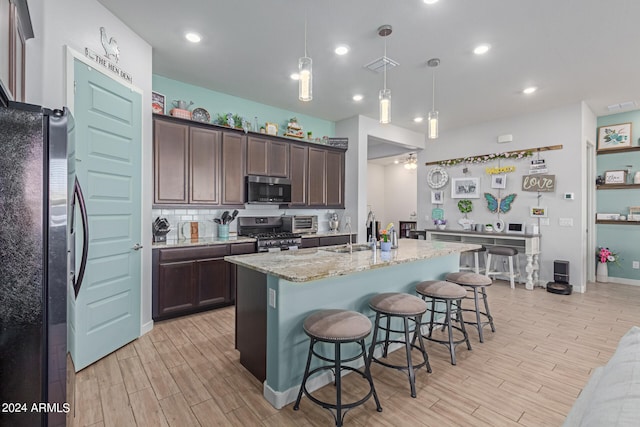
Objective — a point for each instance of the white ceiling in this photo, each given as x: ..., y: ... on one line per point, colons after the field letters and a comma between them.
x: 571, y: 49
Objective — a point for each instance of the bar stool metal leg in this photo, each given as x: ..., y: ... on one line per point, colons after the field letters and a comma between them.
x: 306, y: 374
x: 488, y: 312
x: 478, y: 321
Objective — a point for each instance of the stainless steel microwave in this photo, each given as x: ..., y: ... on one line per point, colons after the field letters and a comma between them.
x: 301, y: 224
x: 267, y: 190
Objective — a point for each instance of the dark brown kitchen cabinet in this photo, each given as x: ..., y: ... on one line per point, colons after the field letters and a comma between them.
x: 317, y: 178
x: 233, y: 168
x: 299, y: 160
x: 204, y: 159
x: 335, y: 179
x: 197, y: 164
x: 326, y: 178
x: 267, y: 157
x: 171, y: 162
x: 190, y: 279
x: 175, y: 295
x: 336, y: 240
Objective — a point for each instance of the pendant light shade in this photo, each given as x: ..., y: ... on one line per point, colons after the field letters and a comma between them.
x: 432, y: 122
x: 385, y: 94
x: 305, y: 82
x: 305, y: 87
x: 385, y: 106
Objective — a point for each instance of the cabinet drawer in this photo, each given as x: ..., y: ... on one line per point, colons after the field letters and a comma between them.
x: 243, y: 248
x: 334, y: 240
x: 180, y: 254
x: 310, y: 242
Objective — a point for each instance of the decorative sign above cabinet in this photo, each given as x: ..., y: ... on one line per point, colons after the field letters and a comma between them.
x: 111, y: 50
x: 544, y: 183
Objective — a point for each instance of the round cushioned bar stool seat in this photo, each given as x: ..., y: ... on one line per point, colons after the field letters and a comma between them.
x: 502, y: 250
x: 441, y: 289
x: 398, y: 304
x: 337, y: 325
x: 469, y: 279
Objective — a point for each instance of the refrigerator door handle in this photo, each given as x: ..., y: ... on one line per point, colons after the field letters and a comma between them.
x: 77, y: 196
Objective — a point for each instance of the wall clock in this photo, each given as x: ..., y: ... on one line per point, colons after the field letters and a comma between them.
x: 437, y: 177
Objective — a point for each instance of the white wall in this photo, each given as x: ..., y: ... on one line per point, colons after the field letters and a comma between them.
x: 76, y: 23
x: 559, y: 126
x: 401, y: 196
x: 376, y: 192
x: 358, y: 129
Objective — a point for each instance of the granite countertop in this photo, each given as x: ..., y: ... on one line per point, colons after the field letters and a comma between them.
x: 204, y: 241
x: 305, y: 265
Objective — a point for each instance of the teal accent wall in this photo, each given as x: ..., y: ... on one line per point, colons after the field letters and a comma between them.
x: 620, y: 238
x: 221, y: 103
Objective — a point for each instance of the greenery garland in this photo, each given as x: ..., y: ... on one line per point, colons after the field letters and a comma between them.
x: 486, y: 158
x: 465, y: 206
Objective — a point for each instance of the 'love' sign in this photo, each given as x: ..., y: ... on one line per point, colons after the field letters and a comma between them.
x: 539, y: 183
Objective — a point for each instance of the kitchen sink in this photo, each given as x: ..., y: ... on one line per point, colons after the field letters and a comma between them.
x: 345, y: 248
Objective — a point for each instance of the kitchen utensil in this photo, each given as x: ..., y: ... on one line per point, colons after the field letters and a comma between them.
x: 224, y: 217
x: 233, y: 216
x: 217, y: 220
x: 182, y: 105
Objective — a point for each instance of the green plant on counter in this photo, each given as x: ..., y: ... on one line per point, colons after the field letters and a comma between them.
x: 237, y: 121
x: 221, y: 120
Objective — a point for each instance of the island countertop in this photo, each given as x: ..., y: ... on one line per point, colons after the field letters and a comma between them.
x: 305, y: 265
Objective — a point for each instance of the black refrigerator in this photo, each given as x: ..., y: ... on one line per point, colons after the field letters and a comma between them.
x: 33, y: 264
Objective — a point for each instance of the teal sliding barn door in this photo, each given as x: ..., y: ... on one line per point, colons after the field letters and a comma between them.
x: 105, y: 313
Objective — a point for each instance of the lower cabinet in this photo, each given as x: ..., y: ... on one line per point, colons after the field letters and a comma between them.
x: 191, y: 279
x: 314, y: 242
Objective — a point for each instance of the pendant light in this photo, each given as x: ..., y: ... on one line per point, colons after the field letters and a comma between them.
x: 432, y: 121
x: 385, y: 94
x: 305, y: 86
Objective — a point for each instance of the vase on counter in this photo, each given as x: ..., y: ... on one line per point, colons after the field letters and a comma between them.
x: 602, y: 272
x: 385, y: 246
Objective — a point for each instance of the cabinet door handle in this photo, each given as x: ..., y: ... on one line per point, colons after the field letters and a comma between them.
x: 137, y: 247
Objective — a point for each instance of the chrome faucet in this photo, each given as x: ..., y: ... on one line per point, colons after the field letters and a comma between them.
x: 347, y: 224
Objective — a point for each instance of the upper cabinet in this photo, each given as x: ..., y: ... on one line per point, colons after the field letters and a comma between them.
x: 267, y: 157
x: 206, y: 165
x: 197, y: 165
x: 15, y: 29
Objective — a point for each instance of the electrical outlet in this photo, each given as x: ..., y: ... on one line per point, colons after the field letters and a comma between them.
x: 272, y: 298
x: 636, y: 265
x: 565, y: 222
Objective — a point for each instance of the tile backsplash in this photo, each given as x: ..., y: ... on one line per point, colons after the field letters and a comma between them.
x: 207, y: 228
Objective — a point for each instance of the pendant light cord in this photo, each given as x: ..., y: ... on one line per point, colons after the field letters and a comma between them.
x: 305, y: 35
x: 385, y: 63
x: 433, y: 90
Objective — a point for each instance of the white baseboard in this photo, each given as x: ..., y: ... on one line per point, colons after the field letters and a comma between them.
x: 146, y: 327
x: 624, y: 281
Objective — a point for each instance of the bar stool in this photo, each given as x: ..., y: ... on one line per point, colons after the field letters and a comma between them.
x: 337, y: 327
x: 508, y: 252
x: 473, y: 282
x: 447, y: 293
x: 476, y: 266
x: 407, y: 307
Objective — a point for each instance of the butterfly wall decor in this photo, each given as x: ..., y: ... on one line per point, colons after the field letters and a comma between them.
x: 502, y: 205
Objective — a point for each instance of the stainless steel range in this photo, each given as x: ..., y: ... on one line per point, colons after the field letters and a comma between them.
x: 267, y: 230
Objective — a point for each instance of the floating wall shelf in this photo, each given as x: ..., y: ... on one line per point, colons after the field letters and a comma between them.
x: 619, y: 222
x: 617, y: 186
x: 620, y: 150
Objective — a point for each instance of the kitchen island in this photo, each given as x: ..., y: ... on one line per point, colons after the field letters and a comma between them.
x: 277, y: 290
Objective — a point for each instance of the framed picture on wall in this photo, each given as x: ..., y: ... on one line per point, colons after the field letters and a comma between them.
x: 614, y: 137
x: 437, y: 197
x: 499, y: 181
x: 465, y: 188
x: 538, y: 212
x: 158, y: 103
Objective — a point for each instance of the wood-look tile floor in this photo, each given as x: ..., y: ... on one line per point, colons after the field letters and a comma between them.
x: 186, y: 372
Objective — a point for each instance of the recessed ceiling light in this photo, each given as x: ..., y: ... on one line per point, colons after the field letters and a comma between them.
x: 357, y: 97
x: 430, y: 1
x: 295, y: 76
x: 342, y: 49
x: 529, y: 90
x: 193, y: 37
x: 481, y: 49
x: 418, y: 119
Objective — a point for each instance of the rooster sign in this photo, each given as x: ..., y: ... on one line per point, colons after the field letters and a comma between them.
x: 110, y: 46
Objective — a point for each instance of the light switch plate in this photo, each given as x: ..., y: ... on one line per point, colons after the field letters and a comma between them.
x: 272, y: 298
x: 544, y: 221
x: 565, y: 222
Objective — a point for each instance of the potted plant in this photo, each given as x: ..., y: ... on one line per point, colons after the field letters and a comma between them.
x: 385, y: 240
x: 605, y: 256
x: 488, y: 228
x: 441, y: 224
